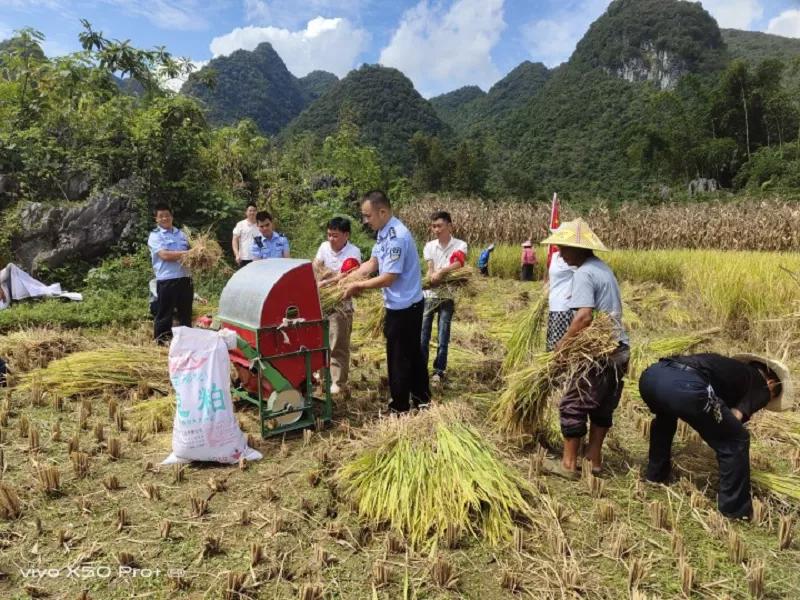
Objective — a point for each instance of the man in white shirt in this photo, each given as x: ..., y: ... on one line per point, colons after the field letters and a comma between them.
x: 442, y: 255
x: 339, y: 257
x: 244, y: 234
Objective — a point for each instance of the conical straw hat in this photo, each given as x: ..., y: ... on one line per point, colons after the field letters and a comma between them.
x: 784, y: 401
x: 577, y: 234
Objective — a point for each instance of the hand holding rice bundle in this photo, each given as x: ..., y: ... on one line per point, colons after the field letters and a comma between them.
x: 204, y: 254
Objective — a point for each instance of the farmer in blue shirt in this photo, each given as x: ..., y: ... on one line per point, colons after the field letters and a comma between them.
x: 483, y: 260
x: 168, y: 245
x: 394, y: 258
x: 270, y: 244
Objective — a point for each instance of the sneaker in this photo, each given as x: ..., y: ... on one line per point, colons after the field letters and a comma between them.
x: 335, y: 389
x: 436, y: 380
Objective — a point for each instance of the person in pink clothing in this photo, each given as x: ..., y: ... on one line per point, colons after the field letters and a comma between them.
x: 528, y: 261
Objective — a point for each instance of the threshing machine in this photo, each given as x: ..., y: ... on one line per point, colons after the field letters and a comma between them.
x: 273, y: 306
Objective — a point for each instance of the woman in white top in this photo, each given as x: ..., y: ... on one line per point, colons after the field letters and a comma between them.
x: 560, y: 316
x: 243, y: 235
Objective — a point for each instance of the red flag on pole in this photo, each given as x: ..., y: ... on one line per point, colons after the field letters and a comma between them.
x: 554, y: 224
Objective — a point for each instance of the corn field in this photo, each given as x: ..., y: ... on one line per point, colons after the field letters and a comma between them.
x: 769, y: 225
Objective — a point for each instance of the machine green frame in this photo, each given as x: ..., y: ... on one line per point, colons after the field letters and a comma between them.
x: 264, y: 370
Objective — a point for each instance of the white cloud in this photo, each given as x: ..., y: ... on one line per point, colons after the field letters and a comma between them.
x: 736, y: 14
x: 175, y: 83
x: 443, y: 49
x: 786, y: 24
x: 552, y: 40
x: 329, y: 44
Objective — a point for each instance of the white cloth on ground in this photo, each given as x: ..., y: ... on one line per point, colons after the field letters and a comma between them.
x: 18, y: 285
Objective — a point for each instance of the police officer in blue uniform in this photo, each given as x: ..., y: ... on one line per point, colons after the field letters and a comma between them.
x: 174, y: 290
x: 270, y: 244
x: 394, y: 258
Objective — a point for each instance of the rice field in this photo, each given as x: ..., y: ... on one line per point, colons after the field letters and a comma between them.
x: 81, y: 486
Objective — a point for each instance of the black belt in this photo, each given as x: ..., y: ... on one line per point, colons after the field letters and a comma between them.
x: 678, y: 365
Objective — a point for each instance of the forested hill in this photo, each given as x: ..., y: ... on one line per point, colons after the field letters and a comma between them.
x: 382, y: 103
x: 256, y: 85
x: 756, y: 46
x: 469, y: 108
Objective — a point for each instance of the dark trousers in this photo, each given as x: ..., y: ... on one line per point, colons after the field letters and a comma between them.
x: 594, y: 396
x: 484, y: 270
x: 174, y: 301
x: 444, y: 309
x: 673, y: 393
x: 408, y: 373
x: 244, y: 263
x: 526, y: 272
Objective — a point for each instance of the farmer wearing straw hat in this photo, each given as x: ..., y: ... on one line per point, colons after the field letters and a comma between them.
x: 715, y: 395
x: 527, y: 261
x: 595, y: 396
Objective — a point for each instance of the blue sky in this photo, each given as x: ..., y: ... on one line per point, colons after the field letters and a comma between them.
x: 440, y: 44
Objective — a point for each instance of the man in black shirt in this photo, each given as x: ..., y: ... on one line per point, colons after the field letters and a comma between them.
x: 715, y: 395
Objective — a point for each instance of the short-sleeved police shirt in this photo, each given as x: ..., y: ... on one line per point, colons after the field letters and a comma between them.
x: 167, y: 239
x: 396, y: 253
x: 274, y: 247
x: 594, y: 286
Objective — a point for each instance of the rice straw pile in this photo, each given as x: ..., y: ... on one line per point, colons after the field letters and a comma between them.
x: 782, y: 427
x: 643, y: 355
x: 205, y: 253
x: 783, y: 486
x: 527, y: 338
x: 431, y: 472
x: 520, y: 411
x: 148, y: 412
x: 34, y: 348
x: 94, y: 372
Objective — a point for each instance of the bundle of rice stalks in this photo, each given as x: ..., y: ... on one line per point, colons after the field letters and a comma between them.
x: 643, y: 355
x: 783, y: 486
x: 205, y: 253
x: 428, y: 473
x: 782, y: 427
x: 519, y: 411
x: 331, y: 297
x: 527, y: 338
x: 155, y: 414
x: 94, y: 372
x: 453, y: 282
x: 34, y: 348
